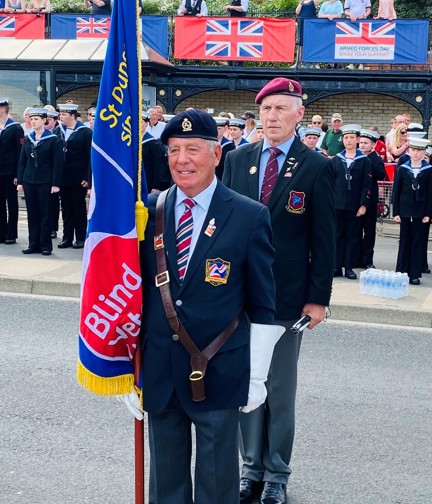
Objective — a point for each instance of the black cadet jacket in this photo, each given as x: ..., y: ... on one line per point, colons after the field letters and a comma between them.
x: 11, y: 140
x: 412, y: 196
x: 41, y: 161
x: 76, y: 160
x: 378, y: 173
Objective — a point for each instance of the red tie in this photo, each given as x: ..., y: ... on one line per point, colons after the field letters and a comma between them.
x: 270, y: 175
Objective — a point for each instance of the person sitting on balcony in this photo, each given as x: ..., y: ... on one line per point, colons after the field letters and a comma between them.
x: 386, y: 10
x: 331, y: 9
x: 15, y: 6
x: 357, y: 9
x: 237, y: 8
x: 102, y: 7
x: 39, y: 6
x: 196, y: 8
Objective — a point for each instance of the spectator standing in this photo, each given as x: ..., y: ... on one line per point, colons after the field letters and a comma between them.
x: 237, y: 8
x: 412, y: 208
x: 249, y: 119
x: 304, y: 10
x: 357, y: 9
x: 399, y: 146
x: 318, y: 122
x: 99, y: 7
x: 15, y: 6
x: 386, y: 10
x: 196, y: 8
x: 39, y: 6
x: 332, y: 141
x: 39, y: 174
x: 331, y: 9
x: 11, y: 140
x: 156, y: 125
x: 26, y: 125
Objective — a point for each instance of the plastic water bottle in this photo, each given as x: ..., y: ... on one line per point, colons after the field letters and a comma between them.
x: 405, y: 283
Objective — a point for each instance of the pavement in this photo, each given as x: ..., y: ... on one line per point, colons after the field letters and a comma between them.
x: 60, y: 275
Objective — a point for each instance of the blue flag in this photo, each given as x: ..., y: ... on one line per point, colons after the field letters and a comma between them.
x: 111, y: 298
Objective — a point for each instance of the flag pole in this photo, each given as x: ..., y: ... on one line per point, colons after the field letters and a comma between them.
x: 140, y: 223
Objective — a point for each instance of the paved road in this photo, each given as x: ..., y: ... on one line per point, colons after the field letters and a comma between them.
x: 364, y: 415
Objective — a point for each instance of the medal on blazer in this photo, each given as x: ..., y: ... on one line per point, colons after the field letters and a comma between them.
x: 217, y: 271
x: 253, y: 170
x: 211, y: 228
x: 291, y: 167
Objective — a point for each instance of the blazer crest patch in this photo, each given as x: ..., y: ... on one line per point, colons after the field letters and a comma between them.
x: 217, y: 271
x: 296, y: 202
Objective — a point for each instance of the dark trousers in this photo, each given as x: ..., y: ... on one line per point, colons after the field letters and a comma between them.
x: 74, y: 212
x: 368, y: 234
x: 347, y: 238
x: 38, y: 204
x: 55, y: 211
x: 267, y: 434
x: 425, y: 262
x: 216, y: 468
x: 411, y: 247
x: 8, y: 208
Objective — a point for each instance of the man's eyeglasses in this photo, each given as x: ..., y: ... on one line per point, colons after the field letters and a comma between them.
x: 316, y: 122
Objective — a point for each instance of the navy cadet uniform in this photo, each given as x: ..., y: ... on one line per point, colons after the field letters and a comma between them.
x: 241, y: 124
x: 304, y: 229
x: 155, y: 161
x: 412, y: 201
x: 229, y: 274
x: 368, y: 221
x: 39, y: 170
x: 352, y: 190
x: 227, y: 146
x: 55, y: 197
x: 11, y: 140
x: 76, y: 169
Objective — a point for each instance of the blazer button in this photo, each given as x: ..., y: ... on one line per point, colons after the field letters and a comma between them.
x: 179, y: 302
x: 175, y: 337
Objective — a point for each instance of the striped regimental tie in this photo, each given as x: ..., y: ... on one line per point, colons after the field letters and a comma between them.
x: 184, y: 237
x: 270, y: 175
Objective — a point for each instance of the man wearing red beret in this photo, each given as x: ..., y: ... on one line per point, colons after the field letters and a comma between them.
x: 296, y: 184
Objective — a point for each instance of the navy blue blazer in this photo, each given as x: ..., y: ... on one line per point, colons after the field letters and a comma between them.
x: 242, y: 239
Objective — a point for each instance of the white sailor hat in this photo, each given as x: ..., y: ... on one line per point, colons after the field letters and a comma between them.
x: 221, y: 121
x: 68, y: 107
x: 371, y: 134
x: 4, y: 101
x: 351, y: 129
x: 37, y: 111
x: 418, y: 143
x: 429, y: 151
x: 259, y: 124
x: 238, y: 123
x: 312, y: 131
x: 51, y: 111
x: 415, y: 130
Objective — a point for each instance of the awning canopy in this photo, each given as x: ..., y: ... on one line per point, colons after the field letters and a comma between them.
x: 79, y: 51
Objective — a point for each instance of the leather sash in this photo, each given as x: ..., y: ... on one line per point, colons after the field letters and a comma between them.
x: 198, y: 359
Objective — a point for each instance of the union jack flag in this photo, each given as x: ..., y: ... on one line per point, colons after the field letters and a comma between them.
x: 89, y: 27
x: 241, y: 38
x: 7, y: 26
x: 365, y: 33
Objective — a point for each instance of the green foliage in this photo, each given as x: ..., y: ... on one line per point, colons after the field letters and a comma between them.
x: 151, y: 7
x: 68, y: 6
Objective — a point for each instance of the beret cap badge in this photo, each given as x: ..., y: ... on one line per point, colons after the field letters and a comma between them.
x: 186, y: 125
x: 291, y: 87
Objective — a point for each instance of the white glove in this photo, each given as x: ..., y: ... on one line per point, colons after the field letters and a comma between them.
x: 133, y: 404
x: 263, y: 339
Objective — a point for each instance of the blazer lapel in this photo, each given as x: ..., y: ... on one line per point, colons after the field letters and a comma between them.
x: 252, y: 165
x: 169, y: 235
x: 290, y: 169
x: 219, y: 210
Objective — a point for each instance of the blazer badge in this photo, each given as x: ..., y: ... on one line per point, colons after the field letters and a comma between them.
x: 296, y: 202
x: 217, y: 271
x: 211, y: 228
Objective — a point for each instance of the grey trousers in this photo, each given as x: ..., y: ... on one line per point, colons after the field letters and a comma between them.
x: 216, y: 467
x: 267, y: 434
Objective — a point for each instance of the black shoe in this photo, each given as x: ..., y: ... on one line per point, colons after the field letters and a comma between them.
x: 249, y: 489
x: 10, y: 242
x: 426, y: 270
x: 273, y: 493
x: 46, y: 252
x: 65, y: 244
x: 29, y: 251
x: 53, y: 234
x: 349, y: 273
x: 414, y: 281
x: 370, y: 266
x: 337, y: 273
x: 78, y: 244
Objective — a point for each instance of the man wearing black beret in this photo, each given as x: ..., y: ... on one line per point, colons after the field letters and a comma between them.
x: 296, y: 184
x: 207, y: 274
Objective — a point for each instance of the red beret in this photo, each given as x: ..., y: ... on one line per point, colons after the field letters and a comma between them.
x: 280, y: 85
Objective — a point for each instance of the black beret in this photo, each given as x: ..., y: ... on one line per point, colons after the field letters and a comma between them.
x: 190, y: 124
